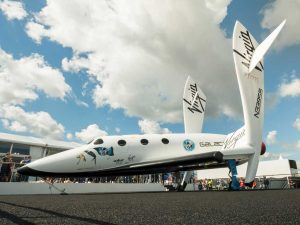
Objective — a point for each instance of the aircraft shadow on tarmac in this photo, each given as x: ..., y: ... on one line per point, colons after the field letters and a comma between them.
x: 19, y: 220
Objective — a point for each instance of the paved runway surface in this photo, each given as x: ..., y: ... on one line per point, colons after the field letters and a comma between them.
x: 245, y: 207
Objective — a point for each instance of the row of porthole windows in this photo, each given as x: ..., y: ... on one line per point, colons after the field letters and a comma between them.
x: 123, y: 142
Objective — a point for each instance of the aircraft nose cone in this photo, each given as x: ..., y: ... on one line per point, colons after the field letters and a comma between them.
x: 24, y: 170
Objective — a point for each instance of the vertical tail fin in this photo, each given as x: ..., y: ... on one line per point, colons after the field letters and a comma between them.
x: 251, y: 85
x: 194, y: 102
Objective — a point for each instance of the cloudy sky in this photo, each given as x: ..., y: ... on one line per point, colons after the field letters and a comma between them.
x: 71, y: 70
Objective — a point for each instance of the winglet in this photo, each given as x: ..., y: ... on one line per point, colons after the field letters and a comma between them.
x: 264, y: 46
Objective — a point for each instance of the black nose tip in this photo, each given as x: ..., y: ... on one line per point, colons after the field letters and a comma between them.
x: 24, y: 170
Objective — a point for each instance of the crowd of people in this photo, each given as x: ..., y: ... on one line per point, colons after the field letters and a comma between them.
x: 224, y: 184
x: 150, y: 178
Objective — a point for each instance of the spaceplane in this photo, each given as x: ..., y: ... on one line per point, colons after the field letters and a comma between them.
x: 192, y: 150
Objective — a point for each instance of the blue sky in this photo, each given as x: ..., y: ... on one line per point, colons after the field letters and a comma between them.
x: 71, y: 70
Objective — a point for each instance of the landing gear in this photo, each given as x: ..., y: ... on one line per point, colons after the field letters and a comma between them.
x: 234, y: 183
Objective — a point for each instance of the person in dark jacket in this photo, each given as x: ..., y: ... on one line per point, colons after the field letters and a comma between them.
x: 266, y: 183
x: 5, y: 170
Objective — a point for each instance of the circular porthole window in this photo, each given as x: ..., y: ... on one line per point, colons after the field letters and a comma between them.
x: 165, y: 141
x: 121, y: 142
x: 144, y: 141
x: 98, y: 142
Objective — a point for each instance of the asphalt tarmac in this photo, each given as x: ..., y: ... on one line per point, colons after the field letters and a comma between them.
x: 214, y: 207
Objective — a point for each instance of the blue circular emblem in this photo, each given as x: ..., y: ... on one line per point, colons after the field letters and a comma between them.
x: 188, y: 145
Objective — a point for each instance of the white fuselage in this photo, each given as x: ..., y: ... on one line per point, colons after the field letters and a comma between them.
x: 131, y: 154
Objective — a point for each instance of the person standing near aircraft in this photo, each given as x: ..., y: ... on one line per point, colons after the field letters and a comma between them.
x: 242, y: 183
x: 200, y: 185
x: 26, y: 160
x: 6, y: 169
x: 266, y: 183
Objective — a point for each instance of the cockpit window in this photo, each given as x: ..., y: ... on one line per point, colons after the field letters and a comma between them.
x: 121, y: 142
x: 98, y: 142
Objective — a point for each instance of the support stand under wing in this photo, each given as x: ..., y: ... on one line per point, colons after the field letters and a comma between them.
x: 186, y: 177
x: 234, y: 184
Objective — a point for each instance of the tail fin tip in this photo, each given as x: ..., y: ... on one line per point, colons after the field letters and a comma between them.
x: 264, y: 46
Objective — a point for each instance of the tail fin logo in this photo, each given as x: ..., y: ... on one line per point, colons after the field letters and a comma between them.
x: 249, y: 50
x: 196, y: 105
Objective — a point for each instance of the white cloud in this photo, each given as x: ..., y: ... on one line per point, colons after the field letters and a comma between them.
x: 81, y: 103
x: 35, y: 31
x: 152, y: 127
x: 291, y: 88
x: 278, y: 10
x: 20, y: 79
x: 298, y: 145
x: 13, y: 126
x: 69, y: 136
x: 75, y: 64
x: 296, y: 124
x: 84, y: 88
x: 271, y: 137
x: 89, y: 133
x: 141, y: 54
x: 41, y: 123
x: 13, y: 10
x: 219, y: 8
x: 78, y: 101
x: 288, y: 88
x: 117, y: 129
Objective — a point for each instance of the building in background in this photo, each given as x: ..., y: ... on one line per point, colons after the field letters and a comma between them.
x: 18, y: 147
